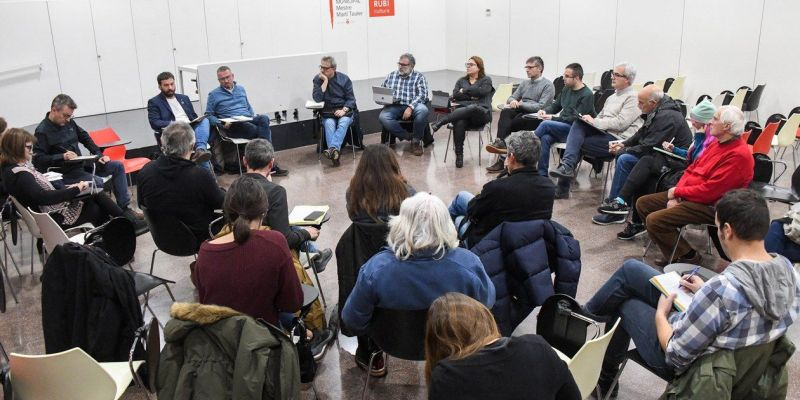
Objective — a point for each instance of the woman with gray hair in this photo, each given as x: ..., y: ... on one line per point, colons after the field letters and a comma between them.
x: 421, y: 262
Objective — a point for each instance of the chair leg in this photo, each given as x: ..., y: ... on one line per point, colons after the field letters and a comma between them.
x: 675, y: 248
x: 316, y: 277
x: 13, y: 292
x: 447, y: 148
x: 153, y: 261
x: 169, y: 292
x: 605, y: 182
x: 238, y: 158
x: 20, y: 245
x: 369, y: 369
x: 615, y: 382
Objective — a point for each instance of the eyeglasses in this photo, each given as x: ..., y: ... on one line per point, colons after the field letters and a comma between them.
x: 565, y: 76
x: 531, y: 66
x: 403, y: 64
x: 618, y: 75
x: 470, y: 65
x: 29, y: 146
x: 324, y: 68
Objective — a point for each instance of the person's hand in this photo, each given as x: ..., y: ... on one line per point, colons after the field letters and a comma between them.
x: 541, y: 114
x: 672, y: 203
x: 407, y: 113
x: 665, y: 304
x: 323, y: 77
x: 615, y: 148
x: 314, y: 232
x: 588, y: 119
x: 227, y: 125
x: 671, y: 193
x: 668, y: 146
x: 69, y: 155
x: 104, y: 159
x: 82, y: 185
x: 545, y: 117
x: 691, y: 283
x: 513, y: 104
x: 339, y: 113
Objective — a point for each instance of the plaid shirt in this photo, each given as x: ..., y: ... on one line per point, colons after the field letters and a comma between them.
x: 721, y: 317
x: 408, y: 90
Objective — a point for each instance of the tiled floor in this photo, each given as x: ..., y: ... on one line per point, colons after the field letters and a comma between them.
x: 314, y: 182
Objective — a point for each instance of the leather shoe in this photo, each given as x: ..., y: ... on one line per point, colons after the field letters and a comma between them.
x: 496, y: 167
x: 201, y: 156
x: 684, y: 259
x: 459, y: 160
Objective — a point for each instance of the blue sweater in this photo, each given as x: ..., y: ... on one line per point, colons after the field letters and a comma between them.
x: 413, y: 284
x: 224, y: 104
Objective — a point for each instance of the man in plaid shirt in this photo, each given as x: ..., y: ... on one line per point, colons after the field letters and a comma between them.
x: 410, y: 94
x: 752, y: 302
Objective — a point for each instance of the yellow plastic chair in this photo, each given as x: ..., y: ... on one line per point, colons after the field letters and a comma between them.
x: 676, y: 89
x: 738, y: 98
x: 585, y: 366
x: 660, y: 83
x: 786, y: 137
x: 503, y: 92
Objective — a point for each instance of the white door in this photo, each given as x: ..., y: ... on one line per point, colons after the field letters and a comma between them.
x: 254, y: 28
x: 189, y: 37
x: 151, y: 26
x: 222, y: 25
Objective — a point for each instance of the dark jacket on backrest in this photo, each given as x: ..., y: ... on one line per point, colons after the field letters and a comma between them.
x: 519, y: 258
x: 662, y: 124
x: 88, y: 302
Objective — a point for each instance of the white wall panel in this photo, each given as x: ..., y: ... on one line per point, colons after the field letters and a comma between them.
x: 255, y: 33
x: 151, y: 28
x: 387, y: 38
x: 116, y: 51
x: 347, y: 34
x: 533, y: 32
x: 455, y: 34
x: 778, y: 58
x: 188, y: 32
x: 426, y: 34
x: 719, y: 53
x: 76, y: 53
x: 222, y: 28
x: 295, y: 26
x: 487, y: 34
x: 586, y: 34
x: 654, y: 48
x: 25, y: 95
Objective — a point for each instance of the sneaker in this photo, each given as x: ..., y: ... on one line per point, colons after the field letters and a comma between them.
x: 435, y: 126
x: 562, y: 171
x: 378, y: 364
x: 278, y: 171
x: 320, y: 261
x: 498, y: 146
x: 606, y: 202
x: 608, y: 219
x: 132, y: 213
x: 416, y: 149
x: 319, y: 343
x: 496, y: 167
x: 615, y: 207
x: 328, y: 153
x: 562, y: 193
x: 335, y: 157
x: 692, y: 257
x: 201, y: 156
x: 631, y: 231
x: 137, y: 219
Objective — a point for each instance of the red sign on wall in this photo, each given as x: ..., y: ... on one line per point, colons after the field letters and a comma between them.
x: 381, y: 8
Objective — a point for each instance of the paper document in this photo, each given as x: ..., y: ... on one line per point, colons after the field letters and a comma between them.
x: 532, y: 116
x: 198, y: 119
x: 668, y: 284
x: 314, y: 105
x: 52, y: 176
x: 238, y: 118
x: 671, y: 154
x: 91, y: 189
x: 85, y: 158
x: 299, y: 215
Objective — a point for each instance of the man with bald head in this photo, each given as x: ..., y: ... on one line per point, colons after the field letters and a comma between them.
x: 664, y: 121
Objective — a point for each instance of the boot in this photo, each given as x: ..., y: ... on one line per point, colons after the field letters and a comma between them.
x: 459, y: 160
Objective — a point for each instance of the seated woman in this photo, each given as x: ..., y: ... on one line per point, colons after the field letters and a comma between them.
x: 783, y: 236
x: 33, y: 190
x: 421, y: 263
x: 377, y: 188
x: 466, y: 358
x: 473, y: 93
x: 248, y: 269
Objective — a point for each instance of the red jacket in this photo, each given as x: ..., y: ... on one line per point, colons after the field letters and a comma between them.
x: 721, y: 167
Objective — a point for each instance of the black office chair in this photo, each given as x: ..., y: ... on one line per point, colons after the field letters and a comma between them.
x: 667, y: 84
x: 703, y: 97
x: 558, y: 84
x: 399, y: 333
x: 751, y: 102
x: 349, y: 137
x: 170, y: 235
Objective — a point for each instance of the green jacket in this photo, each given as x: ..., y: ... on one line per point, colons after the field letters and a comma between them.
x: 752, y: 372
x: 215, y: 352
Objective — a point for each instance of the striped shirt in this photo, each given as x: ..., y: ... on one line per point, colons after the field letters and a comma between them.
x: 408, y: 90
x: 721, y: 317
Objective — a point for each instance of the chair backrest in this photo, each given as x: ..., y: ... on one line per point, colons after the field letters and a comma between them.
x: 559, y: 327
x: 400, y: 333
x: 763, y: 143
x: 676, y: 88
x: 668, y: 84
x: 558, y: 84
x: 107, y: 135
x: 703, y: 97
x: 738, y: 98
x: 587, y: 363
x: 682, y: 105
x: 70, y: 374
x: 752, y: 102
x: 788, y: 132
x: 52, y: 234
x: 27, y: 218
x: 605, y: 80
x: 723, y: 98
x: 601, y: 100
x: 660, y: 83
x: 502, y: 94
x: 170, y: 234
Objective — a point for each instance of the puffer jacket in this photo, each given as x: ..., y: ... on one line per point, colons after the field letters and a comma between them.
x: 519, y: 258
x: 215, y: 352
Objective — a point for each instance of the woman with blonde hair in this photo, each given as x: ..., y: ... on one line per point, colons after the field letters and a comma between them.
x: 466, y: 358
x: 421, y: 263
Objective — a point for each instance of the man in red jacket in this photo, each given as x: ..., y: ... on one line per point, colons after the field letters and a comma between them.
x: 725, y: 165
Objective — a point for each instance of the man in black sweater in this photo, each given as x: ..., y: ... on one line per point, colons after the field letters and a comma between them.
x: 521, y: 195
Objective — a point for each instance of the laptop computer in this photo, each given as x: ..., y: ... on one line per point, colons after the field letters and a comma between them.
x: 382, y: 95
x: 440, y: 99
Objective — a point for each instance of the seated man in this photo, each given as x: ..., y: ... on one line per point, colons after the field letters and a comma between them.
x: 258, y: 159
x: 336, y: 90
x: 230, y: 100
x: 753, y: 301
x: 57, y: 139
x: 175, y: 185
x: 726, y: 164
x: 664, y: 121
x: 169, y: 106
x: 521, y: 195
x: 531, y: 96
x: 410, y: 94
x: 619, y: 119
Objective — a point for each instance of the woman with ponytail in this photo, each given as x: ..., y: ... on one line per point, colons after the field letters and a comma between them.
x: 248, y: 269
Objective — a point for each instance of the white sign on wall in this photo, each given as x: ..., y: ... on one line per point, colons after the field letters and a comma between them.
x: 346, y: 12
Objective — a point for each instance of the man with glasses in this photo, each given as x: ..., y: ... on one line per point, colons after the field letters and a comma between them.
x: 230, y: 100
x: 531, y: 96
x: 336, y: 90
x: 618, y: 120
x: 57, y: 139
x: 410, y: 92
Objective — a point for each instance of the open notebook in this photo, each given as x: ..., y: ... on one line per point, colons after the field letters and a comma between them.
x: 670, y: 283
x: 308, y: 215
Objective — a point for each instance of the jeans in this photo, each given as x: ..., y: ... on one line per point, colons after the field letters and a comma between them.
x: 629, y: 295
x: 777, y: 242
x: 308, y: 245
x: 336, y: 130
x: 625, y: 163
x: 587, y: 140
x: 201, y: 134
x: 391, y: 116
x: 458, y: 211
x: 257, y: 128
x: 550, y: 132
x: 118, y: 179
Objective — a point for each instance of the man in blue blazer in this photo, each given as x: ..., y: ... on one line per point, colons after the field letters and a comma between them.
x: 169, y: 106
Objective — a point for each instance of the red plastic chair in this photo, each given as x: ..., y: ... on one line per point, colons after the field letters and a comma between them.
x: 764, y: 142
x: 117, y: 152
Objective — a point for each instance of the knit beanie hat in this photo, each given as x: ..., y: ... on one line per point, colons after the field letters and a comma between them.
x: 703, y: 112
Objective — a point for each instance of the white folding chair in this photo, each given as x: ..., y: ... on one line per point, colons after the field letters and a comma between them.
x: 585, y: 366
x: 53, y: 235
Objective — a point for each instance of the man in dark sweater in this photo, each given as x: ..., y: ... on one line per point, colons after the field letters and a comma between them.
x: 259, y: 158
x: 521, y: 195
x: 175, y: 185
